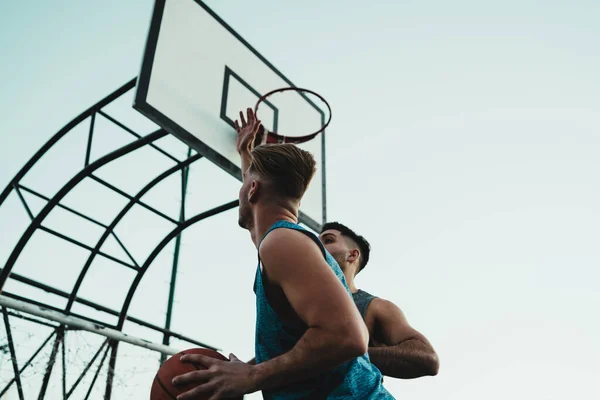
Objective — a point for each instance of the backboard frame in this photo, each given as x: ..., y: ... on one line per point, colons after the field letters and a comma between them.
x: 142, y: 105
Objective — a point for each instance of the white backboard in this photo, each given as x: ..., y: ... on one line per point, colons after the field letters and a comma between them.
x: 198, y: 73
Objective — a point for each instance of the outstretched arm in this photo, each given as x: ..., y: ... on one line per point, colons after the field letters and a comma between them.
x: 399, y: 350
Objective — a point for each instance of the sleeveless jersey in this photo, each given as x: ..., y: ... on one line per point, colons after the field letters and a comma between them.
x: 355, y: 379
x: 362, y: 300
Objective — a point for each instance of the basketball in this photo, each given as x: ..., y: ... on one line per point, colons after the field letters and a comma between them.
x: 163, y: 389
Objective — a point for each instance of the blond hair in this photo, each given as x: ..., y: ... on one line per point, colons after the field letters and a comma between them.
x: 288, y: 168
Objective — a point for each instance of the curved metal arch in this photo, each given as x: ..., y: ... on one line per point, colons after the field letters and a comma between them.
x: 62, y: 132
x: 85, y: 172
x: 170, y: 236
x: 118, y: 218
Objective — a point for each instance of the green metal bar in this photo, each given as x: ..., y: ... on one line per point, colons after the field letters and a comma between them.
x: 60, y: 331
x: 88, y: 150
x: 184, y: 181
x: 87, y: 396
x: 64, y: 365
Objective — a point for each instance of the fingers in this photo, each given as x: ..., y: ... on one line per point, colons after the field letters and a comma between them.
x: 198, y: 376
x: 199, y: 359
x: 252, y: 121
x: 256, y: 128
x: 195, y: 392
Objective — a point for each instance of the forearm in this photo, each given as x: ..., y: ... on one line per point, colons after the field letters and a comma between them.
x: 246, y: 158
x: 316, y: 352
x: 407, y: 360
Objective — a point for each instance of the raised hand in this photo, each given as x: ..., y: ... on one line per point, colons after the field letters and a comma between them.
x: 247, y: 131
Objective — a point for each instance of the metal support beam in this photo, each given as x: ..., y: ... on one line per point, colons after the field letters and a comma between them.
x: 87, y: 396
x: 184, y: 181
x: 114, y: 346
x: 83, y: 324
x: 86, y: 369
x: 87, y: 171
x: 98, y: 307
x: 60, y: 332
x: 132, y: 201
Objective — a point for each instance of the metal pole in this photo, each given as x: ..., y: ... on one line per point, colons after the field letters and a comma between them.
x: 184, y: 181
x: 83, y: 324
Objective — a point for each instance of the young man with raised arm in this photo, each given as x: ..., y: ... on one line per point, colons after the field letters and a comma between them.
x: 310, y: 339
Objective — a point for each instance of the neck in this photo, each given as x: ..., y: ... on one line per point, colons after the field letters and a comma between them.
x: 266, y: 215
x: 349, y: 274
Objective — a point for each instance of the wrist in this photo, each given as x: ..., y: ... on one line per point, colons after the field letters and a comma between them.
x: 257, y: 376
x: 244, y: 151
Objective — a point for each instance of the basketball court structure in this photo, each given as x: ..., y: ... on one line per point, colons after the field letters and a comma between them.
x: 90, y: 264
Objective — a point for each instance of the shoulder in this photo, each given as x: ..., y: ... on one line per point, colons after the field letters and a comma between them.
x: 290, y: 250
x: 382, y: 308
x: 390, y: 325
x: 283, y: 239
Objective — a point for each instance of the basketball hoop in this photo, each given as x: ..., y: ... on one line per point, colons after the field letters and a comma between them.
x: 268, y: 137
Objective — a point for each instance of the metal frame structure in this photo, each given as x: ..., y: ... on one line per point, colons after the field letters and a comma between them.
x: 108, y: 351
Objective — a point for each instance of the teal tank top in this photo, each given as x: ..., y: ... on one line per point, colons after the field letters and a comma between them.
x: 362, y: 300
x: 355, y: 379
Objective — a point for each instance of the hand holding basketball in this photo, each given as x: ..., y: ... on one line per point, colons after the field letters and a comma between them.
x: 221, y: 379
x: 247, y: 131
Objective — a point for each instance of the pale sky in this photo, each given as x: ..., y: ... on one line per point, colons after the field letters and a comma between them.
x: 463, y: 146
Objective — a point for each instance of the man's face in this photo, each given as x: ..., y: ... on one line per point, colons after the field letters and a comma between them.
x: 336, y: 245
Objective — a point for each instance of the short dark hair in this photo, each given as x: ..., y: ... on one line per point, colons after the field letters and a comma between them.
x: 363, y: 245
x: 289, y: 168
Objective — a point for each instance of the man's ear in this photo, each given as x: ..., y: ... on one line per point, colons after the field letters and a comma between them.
x: 353, y: 255
x: 253, y: 191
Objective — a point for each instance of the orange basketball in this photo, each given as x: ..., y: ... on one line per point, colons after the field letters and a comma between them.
x: 163, y: 389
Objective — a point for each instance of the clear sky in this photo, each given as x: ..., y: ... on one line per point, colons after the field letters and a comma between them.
x: 464, y: 146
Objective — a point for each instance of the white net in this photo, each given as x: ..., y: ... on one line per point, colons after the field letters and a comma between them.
x: 70, y: 364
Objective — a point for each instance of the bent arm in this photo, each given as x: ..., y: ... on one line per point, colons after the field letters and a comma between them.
x: 335, y: 333
x: 410, y: 359
x: 400, y: 351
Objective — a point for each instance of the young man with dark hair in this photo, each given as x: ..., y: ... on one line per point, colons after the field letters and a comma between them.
x: 311, y: 342
x: 397, y: 349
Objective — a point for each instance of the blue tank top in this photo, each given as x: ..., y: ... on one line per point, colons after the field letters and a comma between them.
x: 355, y: 379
